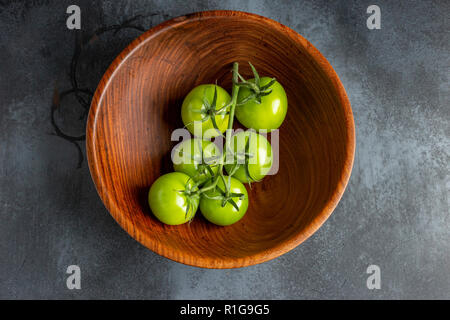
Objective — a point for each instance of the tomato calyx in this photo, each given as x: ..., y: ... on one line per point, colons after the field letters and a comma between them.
x: 203, y: 163
x: 209, y: 111
x: 257, y: 91
x: 190, y: 193
x: 226, y: 196
x: 242, y: 159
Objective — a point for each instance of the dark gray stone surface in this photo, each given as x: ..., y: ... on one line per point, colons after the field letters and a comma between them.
x: 394, y: 213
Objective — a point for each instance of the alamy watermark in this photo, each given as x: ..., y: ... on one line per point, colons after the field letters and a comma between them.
x: 374, y: 280
x: 180, y: 155
x: 74, y: 280
x: 374, y: 20
x: 74, y: 20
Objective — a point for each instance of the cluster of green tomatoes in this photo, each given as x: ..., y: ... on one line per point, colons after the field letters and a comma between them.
x: 260, y: 104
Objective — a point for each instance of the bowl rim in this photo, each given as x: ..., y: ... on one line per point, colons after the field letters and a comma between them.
x: 226, y: 262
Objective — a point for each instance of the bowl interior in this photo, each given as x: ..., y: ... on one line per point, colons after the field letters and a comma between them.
x: 137, y: 107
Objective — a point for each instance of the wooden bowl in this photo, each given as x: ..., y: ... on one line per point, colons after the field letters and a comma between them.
x: 137, y: 106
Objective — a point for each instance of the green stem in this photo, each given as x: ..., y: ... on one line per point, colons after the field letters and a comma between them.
x: 234, y: 96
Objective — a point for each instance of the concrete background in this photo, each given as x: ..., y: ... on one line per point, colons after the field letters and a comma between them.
x: 394, y: 213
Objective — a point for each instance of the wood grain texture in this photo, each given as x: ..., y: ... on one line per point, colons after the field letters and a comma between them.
x: 137, y: 106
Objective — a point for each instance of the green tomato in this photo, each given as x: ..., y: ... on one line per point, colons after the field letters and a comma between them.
x: 258, y: 161
x: 192, y: 156
x: 213, y: 210
x: 268, y: 115
x: 194, y: 110
x: 168, y: 204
